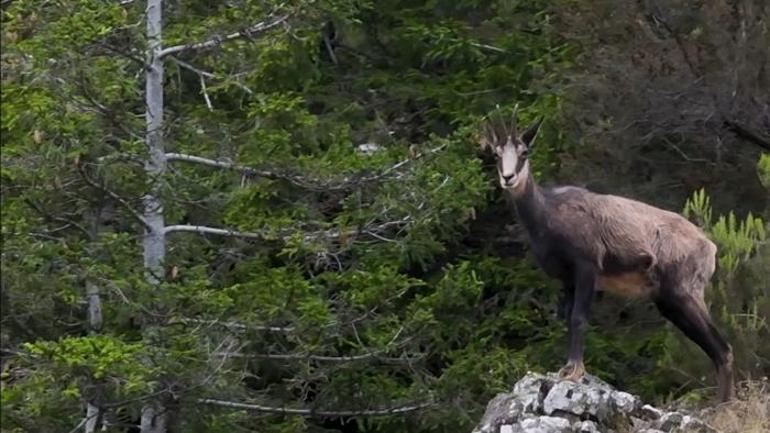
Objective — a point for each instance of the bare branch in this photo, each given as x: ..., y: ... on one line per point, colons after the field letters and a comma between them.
x: 344, y: 184
x: 218, y: 40
x: 374, y: 355
x: 233, y: 325
x: 213, y: 231
x: 488, y: 47
x: 311, y: 412
x: 329, y: 234
x: 171, y: 157
x: 330, y: 49
x: 206, y: 93
x: 314, y: 184
x: 119, y: 157
x: 207, y: 74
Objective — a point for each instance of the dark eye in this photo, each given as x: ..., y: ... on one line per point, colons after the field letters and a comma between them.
x: 525, y: 153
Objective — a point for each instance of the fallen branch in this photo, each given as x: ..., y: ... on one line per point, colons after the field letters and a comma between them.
x: 312, y: 412
x: 218, y: 40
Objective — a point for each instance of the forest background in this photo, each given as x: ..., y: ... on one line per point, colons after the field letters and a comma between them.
x: 308, y: 238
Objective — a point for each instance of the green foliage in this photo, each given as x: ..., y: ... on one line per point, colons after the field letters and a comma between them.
x: 352, y: 298
x: 67, y: 371
x: 740, y: 296
x: 99, y: 357
x: 367, y: 279
x: 763, y: 168
x: 737, y: 240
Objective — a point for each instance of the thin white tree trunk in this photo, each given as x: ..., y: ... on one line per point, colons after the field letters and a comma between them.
x: 93, y: 412
x: 153, y: 420
x: 155, y: 166
x: 92, y: 418
x: 154, y: 417
x: 94, y: 307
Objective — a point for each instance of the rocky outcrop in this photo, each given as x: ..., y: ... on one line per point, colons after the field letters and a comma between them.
x: 546, y: 404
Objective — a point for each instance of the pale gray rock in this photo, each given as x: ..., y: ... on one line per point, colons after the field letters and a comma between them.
x: 368, y: 148
x: 586, y: 427
x: 670, y: 421
x: 650, y: 412
x: 544, y: 424
x: 529, y: 392
x: 507, y: 428
x: 577, y: 399
x: 625, y: 402
x: 694, y: 425
x: 543, y: 403
x: 503, y: 409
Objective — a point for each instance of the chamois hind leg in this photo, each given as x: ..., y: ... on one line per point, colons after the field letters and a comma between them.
x: 688, y: 312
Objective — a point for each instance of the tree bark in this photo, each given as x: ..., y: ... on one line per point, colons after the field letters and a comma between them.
x: 93, y: 412
x: 94, y: 307
x: 154, y: 416
x: 93, y: 420
x: 154, y: 419
x: 155, y: 166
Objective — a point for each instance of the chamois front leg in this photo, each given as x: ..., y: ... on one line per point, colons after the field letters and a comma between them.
x: 564, y: 310
x: 577, y: 319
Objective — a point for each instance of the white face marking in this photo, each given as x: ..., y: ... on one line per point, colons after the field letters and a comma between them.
x: 508, y: 161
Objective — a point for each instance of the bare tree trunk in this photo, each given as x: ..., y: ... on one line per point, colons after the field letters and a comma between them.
x: 154, y: 416
x: 93, y: 420
x: 94, y: 307
x: 93, y: 412
x: 153, y: 419
x: 155, y: 166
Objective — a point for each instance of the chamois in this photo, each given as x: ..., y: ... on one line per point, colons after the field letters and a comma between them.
x: 592, y: 241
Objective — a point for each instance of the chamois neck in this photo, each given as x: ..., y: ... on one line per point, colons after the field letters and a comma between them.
x: 529, y: 203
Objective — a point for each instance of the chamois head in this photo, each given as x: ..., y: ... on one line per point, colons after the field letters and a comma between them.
x: 510, y: 149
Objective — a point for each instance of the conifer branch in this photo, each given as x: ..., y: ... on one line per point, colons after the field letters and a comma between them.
x: 218, y: 40
x: 113, y: 195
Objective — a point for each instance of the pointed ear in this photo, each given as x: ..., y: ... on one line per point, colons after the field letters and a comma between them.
x: 487, y: 138
x: 528, y: 136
